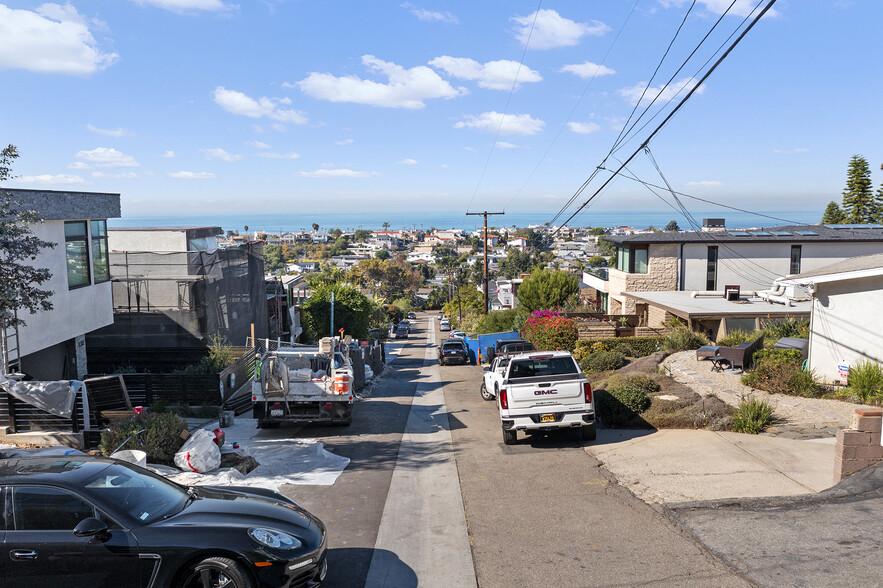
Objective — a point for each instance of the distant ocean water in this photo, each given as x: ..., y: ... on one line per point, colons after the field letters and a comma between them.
x: 457, y: 220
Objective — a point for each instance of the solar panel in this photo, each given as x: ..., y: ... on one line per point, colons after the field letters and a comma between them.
x: 855, y: 226
x: 739, y: 234
x: 782, y: 234
x: 761, y: 233
x: 807, y: 233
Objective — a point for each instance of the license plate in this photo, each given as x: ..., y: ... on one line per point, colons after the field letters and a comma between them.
x: 547, y: 418
x: 275, y: 412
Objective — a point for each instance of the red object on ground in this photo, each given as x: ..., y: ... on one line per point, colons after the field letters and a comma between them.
x: 219, y: 437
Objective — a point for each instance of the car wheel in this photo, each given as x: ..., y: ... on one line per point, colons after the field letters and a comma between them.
x: 509, y: 436
x: 588, y: 432
x: 217, y: 572
x: 484, y: 393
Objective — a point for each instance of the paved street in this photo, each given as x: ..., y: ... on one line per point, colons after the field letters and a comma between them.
x: 540, y: 512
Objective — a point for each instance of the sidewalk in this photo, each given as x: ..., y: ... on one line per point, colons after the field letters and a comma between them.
x: 679, y: 465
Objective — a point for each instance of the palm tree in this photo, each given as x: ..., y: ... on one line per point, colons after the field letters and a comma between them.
x: 385, y: 226
x: 315, y: 227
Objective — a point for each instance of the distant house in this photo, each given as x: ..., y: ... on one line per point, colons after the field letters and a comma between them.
x: 52, y: 346
x: 319, y: 237
x: 516, y: 243
x: 846, y: 325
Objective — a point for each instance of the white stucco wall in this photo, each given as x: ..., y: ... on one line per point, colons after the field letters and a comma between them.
x: 75, y: 312
x: 846, y: 326
x: 146, y: 240
x: 764, y: 261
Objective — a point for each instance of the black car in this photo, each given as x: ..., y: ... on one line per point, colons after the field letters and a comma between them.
x: 453, y: 351
x: 85, y: 521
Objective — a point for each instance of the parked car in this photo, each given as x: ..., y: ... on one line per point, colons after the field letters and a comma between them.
x: 456, y: 334
x: 441, y: 315
x: 444, y: 325
x: 401, y: 332
x: 412, y: 315
x: 493, y: 375
x: 508, y: 347
x: 406, y: 323
x: 89, y: 521
x: 453, y: 351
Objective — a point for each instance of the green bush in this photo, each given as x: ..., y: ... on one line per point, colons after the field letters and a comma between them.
x: 550, y: 331
x: 779, y: 371
x: 161, y: 439
x: 736, y: 337
x: 865, y: 382
x: 628, y: 346
x: 775, y: 329
x: 642, y: 382
x: 621, y: 406
x: 753, y: 416
x: 602, y: 361
x: 682, y: 339
x: 500, y: 321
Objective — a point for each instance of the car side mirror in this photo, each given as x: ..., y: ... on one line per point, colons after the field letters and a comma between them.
x: 487, y: 369
x: 92, y: 527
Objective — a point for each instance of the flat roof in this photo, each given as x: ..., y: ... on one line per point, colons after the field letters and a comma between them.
x: 682, y: 304
x: 786, y: 234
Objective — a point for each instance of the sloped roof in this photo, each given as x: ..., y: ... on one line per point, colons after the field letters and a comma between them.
x: 849, y: 269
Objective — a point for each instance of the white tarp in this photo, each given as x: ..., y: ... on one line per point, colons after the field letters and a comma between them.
x: 56, y: 398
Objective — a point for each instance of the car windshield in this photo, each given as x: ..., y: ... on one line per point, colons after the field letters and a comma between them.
x: 547, y: 366
x: 144, y: 496
x: 452, y: 346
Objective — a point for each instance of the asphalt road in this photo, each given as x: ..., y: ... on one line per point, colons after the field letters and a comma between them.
x: 542, y: 512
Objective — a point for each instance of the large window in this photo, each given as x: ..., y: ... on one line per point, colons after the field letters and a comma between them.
x: 711, y: 269
x: 100, y: 260
x: 77, y: 250
x: 795, y: 259
x: 632, y: 259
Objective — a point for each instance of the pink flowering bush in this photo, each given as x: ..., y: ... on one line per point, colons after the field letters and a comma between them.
x: 547, y: 330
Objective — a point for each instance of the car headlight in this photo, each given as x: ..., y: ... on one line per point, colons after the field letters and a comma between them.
x: 273, y: 538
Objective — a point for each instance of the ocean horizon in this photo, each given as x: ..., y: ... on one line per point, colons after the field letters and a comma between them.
x: 275, y: 223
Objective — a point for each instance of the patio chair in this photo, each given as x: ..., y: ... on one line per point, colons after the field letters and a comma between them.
x: 741, y: 356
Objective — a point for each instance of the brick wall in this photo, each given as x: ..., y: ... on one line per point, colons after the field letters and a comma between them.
x: 859, y: 446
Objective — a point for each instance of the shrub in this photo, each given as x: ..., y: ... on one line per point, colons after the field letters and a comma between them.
x: 628, y: 346
x: 682, y: 339
x: 603, y: 361
x: 865, y: 381
x: 548, y: 330
x: 499, y: 321
x: 736, y: 337
x: 779, y: 371
x: 161, y: 439
x: 640, y: 381
x: 621, y: 406
x: 753, y: 416
x: 775, y: 329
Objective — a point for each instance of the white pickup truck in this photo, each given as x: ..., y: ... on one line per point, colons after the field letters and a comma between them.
x: 303, y: 385
x: 545, y: 391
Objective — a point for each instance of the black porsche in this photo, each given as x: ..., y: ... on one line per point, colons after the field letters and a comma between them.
x: 86, y: 521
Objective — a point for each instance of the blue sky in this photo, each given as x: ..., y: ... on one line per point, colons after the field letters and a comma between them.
x: 285, y: 105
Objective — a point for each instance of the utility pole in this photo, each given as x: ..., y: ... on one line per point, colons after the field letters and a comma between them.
x: 484, y: 285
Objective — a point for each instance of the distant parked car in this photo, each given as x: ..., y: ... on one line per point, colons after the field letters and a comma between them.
x: 441, y: 315
x: 444, y: 325
x: 87, y: 521
x: 412, y: 315
x: 401, y: 332
x: 457, y: 335
x: 406, y: 323
x: 453, y: 351
x: 493, y: 376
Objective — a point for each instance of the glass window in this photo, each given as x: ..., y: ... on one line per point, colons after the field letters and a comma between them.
x: 100, y: 260
x: 795, y: 259
x: 48, y: 509
x: 622, y: 258
x: 77, y: 251
x: 711, y: 270
x: 640, y: 260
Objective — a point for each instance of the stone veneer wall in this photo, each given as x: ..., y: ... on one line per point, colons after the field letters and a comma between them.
x: 661, y: 276
x: 859, y: 446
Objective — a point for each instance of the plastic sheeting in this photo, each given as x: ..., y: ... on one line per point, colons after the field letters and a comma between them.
x: 56, y: 398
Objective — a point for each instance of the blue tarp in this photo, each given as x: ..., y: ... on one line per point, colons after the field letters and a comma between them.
x: 482, y: 342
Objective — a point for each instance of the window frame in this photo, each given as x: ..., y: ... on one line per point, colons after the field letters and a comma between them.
x: 100, y: 239
x: 794, y: 265
x: 85, y: 240
x: 711, y: 268
x: 626, y: 258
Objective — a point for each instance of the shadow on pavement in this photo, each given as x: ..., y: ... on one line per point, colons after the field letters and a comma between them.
x: 348, y: 567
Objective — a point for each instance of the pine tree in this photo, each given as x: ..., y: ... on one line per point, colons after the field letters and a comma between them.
x: 833, y: 215
x: 858, y: 200
x: 878, y: 201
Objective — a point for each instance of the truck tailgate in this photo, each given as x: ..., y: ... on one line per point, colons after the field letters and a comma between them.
x: 564, y: 391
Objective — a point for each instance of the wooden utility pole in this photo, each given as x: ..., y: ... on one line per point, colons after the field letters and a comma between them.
x: 484, y: 286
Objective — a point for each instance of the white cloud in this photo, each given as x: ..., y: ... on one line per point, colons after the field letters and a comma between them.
x: 117, y: 132
x: 507, y: 145
x: 587, y: 70
x: 494, y: 75
x: 169, y: 154
x: 740, y: 8
x: 107, y: 157
x: 345, y: 142
x: 52, y: 39
x: 408, y: 161
x: 124, y: 175
x: 221, y: 154
x: 553, y: 30
x: 47, y: 179
x: 337, y: 173
x: 705, y: 184
x: 430, y: 15
x: 472, y: 149
x: 238, y: 103
x: 583, y: 128
x: 406, y: 88
x: 188, y: 175
x: 679, y: 88
x: 512, y: 124
x: 258, y: 145
x: 79, y: 165
x: 181, y: 6
x: 291, y: 155
x: 791, y: 151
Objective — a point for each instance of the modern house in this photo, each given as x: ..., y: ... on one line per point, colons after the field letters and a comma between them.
x: 52, y: 346
x: 711, y: 260
x: 846, y: 325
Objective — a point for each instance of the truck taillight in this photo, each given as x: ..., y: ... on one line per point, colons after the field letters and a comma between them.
x: 504, y: 399
x: 587, y: 391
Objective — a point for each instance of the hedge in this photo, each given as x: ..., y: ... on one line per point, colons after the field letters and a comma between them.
x: 628, y: 346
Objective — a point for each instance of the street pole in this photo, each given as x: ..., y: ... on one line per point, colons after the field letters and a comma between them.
x: 332, y: 313
x: 485, y: 284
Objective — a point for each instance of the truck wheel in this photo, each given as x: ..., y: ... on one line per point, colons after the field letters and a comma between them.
x: 509, y: 436
x: 484, y: 393
x: 588, y: 432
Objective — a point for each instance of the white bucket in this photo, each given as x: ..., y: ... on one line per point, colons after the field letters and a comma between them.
x: 132, y: 456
